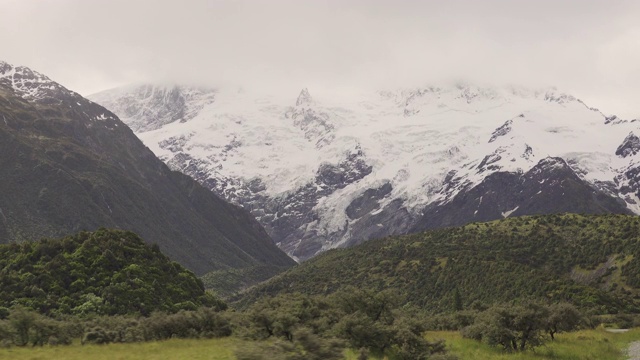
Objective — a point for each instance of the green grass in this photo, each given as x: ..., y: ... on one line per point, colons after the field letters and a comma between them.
x: 581, y: 345
x: 214, y: 349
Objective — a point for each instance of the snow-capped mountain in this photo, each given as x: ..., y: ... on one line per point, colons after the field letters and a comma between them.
x: 330, y: 172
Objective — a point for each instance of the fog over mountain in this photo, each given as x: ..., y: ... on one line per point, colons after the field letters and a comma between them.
x: 323, y: 172
x: 587, y: 48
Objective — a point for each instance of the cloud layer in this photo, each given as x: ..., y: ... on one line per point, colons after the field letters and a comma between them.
x: 589, y: 48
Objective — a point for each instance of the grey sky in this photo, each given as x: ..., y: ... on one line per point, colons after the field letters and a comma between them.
x: 588, y: 48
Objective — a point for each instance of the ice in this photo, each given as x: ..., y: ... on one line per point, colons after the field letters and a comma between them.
x: 412, y: 138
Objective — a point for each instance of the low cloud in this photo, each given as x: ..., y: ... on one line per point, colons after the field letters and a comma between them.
x: 589, y: 48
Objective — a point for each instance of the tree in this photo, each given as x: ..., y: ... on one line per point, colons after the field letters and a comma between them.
x: 22, y: 321
x: 457, y: 300
x: 562, y: 317
x: 514, y: 327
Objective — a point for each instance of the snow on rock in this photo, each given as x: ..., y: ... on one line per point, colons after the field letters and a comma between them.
x: 507, y: 213
x: 300, y: 163
x: 629, y: 147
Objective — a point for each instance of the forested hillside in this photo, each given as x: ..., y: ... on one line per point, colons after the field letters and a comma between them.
x: 592, y: 261
x: 106, y: 272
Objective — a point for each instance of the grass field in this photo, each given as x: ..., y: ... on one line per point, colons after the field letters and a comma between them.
x: 583, y: 345
x: 214, y: 349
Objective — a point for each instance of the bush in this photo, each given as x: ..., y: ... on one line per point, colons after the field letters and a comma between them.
x: 515, y: 327
x: 202, y: 323
x: 521, y: 327
x: 97, y: 335
x: 24, y: 327
x: 305, y: 345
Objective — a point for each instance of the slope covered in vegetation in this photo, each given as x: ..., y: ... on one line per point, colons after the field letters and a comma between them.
x: 591, y: 261
x: 104, y: 272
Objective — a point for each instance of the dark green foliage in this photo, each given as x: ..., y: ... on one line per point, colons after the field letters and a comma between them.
x: 367, y: 318
x: 24, y: 327
x: 562, y: 317
x: 202, y: 323
x: 281, y: 315
x: 305, y: 345
x: 452, y: 321
x: 98, y: 336
x: 362, y: 319
x: 105, y: 272
x: 591, y: 261
x: 524, y: 326
x: 363, y: 354
x: 229, y: 282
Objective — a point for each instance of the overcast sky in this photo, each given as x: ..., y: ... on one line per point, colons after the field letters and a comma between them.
x: 588, y: 48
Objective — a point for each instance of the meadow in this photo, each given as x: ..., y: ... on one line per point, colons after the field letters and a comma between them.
x: 580, y: 345
x: 597, y: 344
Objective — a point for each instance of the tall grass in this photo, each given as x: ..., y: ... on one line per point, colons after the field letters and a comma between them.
x: 580, y: 345
x: 192, y: 349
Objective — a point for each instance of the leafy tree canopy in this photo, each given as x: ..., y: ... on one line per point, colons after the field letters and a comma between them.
x: 103, y: 272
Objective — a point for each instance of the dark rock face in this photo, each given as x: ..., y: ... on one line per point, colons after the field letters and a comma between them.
x: 630, y: 183
x: 501, y: 131
x: 486, y: 163
x: 286, y: 218
x: 159, y: 105
x: 304, y: 98
x: 528, y: 151
x: 630, y: 146
x: 393, y: 219
x: 315, y: 124
x: 549, y: 187
x: 352, y: 169
x: 70, y: 165
x: 369, y: 201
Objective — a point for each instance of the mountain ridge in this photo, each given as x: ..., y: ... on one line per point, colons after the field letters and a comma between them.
x: 298, y: 166
x: 72, y: 165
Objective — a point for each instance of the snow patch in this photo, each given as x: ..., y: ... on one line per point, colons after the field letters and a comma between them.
x: 506, y: 214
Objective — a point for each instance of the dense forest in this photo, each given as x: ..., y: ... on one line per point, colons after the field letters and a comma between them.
x: 588, y: 260
x: 106, y: 272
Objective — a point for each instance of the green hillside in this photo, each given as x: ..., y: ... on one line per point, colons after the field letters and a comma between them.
x: 592, y: 261
x: 105, y: 272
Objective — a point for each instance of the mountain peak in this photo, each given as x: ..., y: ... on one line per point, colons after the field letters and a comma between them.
x: 304, y: 98
x: 162, y: 103
x: 30, y: 84
x: 4, y: 67
x: 428, y: 144
x: 82, y: 153
x: 630, y: 146
x: 552, y: 162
